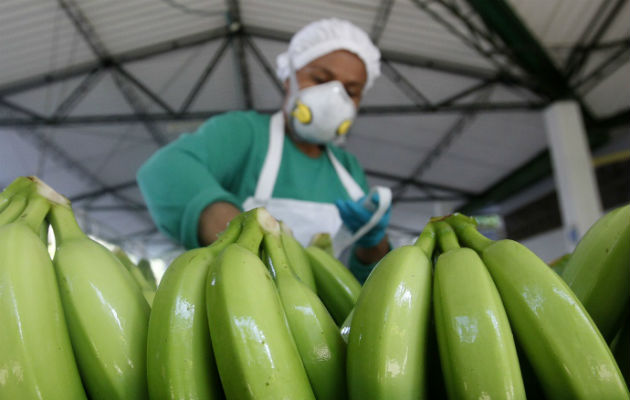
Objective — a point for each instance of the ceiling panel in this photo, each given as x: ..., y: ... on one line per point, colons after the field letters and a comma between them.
x: 36, y: 38
x: 611, y: 95
x: 45, y: 100
x: 172, y: 76
x: 124, y: 26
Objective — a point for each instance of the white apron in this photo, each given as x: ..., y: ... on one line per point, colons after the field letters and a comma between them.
x: 307, y: 218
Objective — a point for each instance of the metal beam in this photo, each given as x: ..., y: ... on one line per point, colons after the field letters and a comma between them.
x: 103, y: 191
x: 392, y: 56
x: 204, y: 76
x: 403, y: 84
x: 471, y: 40
x: 577, y: 59
x: 380, y: 21
x: 243, y: 69
x: 501, y: 19
x: 202, y: 115
x: 238, y: 45
x: 73, y: 99
x: 60, y: 155
x: 466, y: 92
x: 22, y: 110
x: 609, y: 65
x: 265, y: 64
x: 144, y: 89
x: 91, y: 38
x: 431, y: 198
x: 446, y: 140
x: 141, y: 53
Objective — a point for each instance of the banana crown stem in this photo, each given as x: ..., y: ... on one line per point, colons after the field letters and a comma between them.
x: 446, y: 236
x: 15, y: 207
x: 35, y: 212
x: 64, y: 223
x: 275, y: 251
x: 468, y: 233
x: 229, y: 235
x: 426, y: 240
x: 251, y: 233
x: 18, y: 185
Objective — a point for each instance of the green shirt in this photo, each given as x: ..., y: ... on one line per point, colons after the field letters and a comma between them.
x: 221, y: 161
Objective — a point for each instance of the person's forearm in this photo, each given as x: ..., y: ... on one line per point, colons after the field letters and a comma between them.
x: 369, y: 255
x: 214, y: 219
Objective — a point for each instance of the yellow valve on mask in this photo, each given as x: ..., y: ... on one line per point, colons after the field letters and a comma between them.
x: 302, y: 113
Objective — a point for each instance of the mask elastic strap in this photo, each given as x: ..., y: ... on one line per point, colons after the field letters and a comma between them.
x: 294, y: 88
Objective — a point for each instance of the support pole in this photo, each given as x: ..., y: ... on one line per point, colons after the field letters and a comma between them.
x: 580, y: 204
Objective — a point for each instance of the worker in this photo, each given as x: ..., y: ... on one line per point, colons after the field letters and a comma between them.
x: 287, y: 162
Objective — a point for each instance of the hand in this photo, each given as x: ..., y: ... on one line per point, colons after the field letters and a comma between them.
x: 355, y: 214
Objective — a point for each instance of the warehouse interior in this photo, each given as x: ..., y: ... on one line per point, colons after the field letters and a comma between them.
x: 90, y: 89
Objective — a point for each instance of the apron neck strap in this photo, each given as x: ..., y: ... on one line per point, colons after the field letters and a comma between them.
x: 352, y: 187
x: 269, y: 172
x: 271, y: 165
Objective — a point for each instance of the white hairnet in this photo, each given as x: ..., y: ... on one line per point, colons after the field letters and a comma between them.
x: 325, y: 36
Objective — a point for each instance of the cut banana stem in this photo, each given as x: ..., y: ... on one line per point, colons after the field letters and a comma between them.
x: 251, y: 235
x: 324, y: 242
x: 106, y: 312
x: 13, y: 210
x: 566, y: 350
x: 426, y: 240
x: 20, y: 184
x: 387, y: 344
x: 446, y: 236
x: 36, y: 357
x: 466, y: 230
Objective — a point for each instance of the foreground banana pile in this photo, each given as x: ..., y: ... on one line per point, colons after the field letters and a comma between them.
x: 257, y: 316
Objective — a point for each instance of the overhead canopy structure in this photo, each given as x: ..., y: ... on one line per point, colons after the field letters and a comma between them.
x: 90, y: 89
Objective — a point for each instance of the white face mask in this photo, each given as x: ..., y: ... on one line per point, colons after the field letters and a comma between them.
x: 319, y: 114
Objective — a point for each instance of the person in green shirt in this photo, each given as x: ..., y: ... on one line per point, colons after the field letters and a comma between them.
x: 286, y: 162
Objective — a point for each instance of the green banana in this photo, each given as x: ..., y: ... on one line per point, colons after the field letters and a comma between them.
x: 297, y: 257
x: 559, y: 264
x: 476, y: 346
x: 20, y: 184
x: 567, y: 352
x: 145, y: 287
x: 316, y: 335
x: 145, y: 267
x: 336, y: 286
x: 36, y: 358
x: 255, y: 353
x: 344, y: 329
x: 324, y: 242
x: 14, y: 208
x: 106, y: 314
x: 598, y: 271
x: 387, y: 343
x: 180, y: 361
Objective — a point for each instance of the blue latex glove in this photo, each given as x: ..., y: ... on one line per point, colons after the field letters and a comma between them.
x: 354, y: 215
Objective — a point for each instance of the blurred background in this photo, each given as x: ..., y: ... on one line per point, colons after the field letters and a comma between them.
x: 461, y: 119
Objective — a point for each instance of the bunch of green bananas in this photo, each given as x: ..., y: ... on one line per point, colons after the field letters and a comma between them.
x: 257, y: 316
x: 74, y: 327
